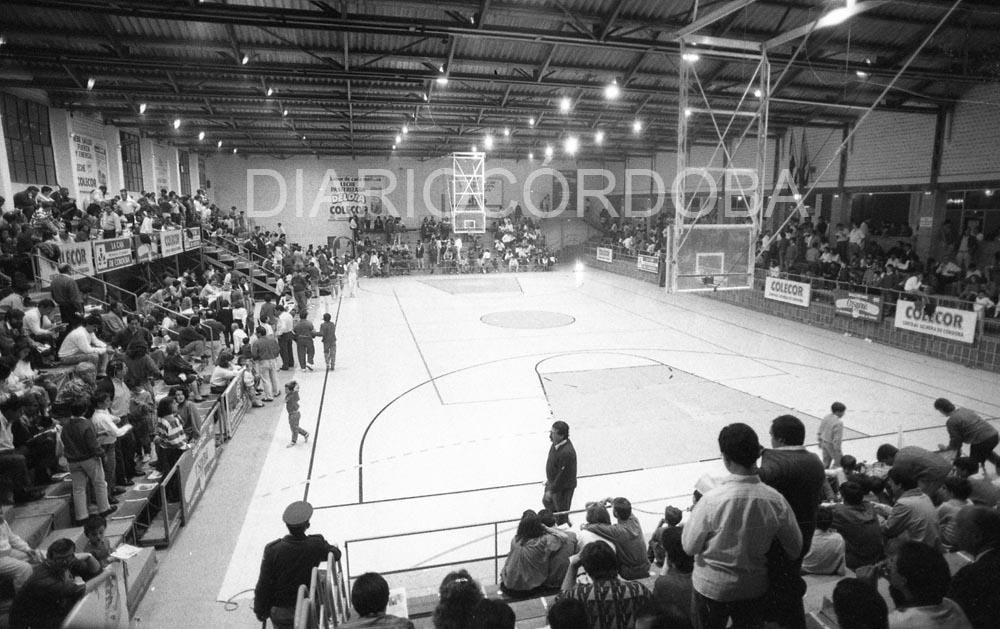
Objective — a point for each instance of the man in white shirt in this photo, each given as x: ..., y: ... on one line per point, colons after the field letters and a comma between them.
x: 126, y: 204
x: 283, y: 330
x: 730, y: 575
x: 37, y: 323
x: 99, y: 195
x: 82, y: 345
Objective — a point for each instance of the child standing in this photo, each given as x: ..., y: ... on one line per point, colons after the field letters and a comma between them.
x: 97, y: 543
x: 328, y: 331
x: 292, y: 406
x: 142, y: 414
x: 106, y: 427
x: 831, y: 433
x: 84, y: 457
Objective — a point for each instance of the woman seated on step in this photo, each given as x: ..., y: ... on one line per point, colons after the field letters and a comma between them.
x: 529, y: 569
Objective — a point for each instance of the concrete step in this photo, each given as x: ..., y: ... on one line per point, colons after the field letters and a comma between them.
x: 58, y: 511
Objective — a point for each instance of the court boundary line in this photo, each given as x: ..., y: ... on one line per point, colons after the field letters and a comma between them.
x: 319, y: 412
x: 416, y: 344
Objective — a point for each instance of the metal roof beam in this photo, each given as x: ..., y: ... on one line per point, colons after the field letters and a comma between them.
x: 711, y: 18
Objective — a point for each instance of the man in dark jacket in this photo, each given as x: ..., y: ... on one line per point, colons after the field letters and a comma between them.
x: 976, y: 587
x: 798, y: 475
x: 560, y: 472
x: 287, y: 564
x: 50, y: 592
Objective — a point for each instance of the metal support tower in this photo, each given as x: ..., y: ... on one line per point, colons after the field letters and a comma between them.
x: 468, y: 193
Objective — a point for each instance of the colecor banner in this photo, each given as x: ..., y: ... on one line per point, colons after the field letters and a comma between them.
x: 795, y: 293
x: 946, y: 323
x: 604, y: 254
x: 171, y: 242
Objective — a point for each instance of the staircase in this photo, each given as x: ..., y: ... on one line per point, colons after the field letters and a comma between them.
x: 227, y: 255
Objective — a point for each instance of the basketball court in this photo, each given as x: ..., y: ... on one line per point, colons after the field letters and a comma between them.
x: 445, y: 387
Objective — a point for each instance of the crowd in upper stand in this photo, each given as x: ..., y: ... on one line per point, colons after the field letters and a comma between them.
x: 852, y: 255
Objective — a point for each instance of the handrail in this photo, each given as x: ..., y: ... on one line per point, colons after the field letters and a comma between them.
x: 250, y: 256
x: 36, y: 257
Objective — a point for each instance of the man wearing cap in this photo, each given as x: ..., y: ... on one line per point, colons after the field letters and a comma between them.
x: 287, y: 564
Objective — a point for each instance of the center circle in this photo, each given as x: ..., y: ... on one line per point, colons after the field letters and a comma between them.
x: 527, y: 319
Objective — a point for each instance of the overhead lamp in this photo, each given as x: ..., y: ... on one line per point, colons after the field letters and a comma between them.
x: 757, y: 93
x: 399, y: 139
x: 989, y: 193
x: 3, y: 40
x: 687, y: 112
x: 406, y: 129
x: 691, y: 57
x: 599, y: 137
x: 442, y: 80
x: 531, y: 156
x: 219, y: 144
x: 841, y: 14
x: 441, y: 69
x: 506, y: 132
x: 571, y: 144
x: 424, y: 94
x: 531, y: 122
x: 475, y: 149
x: 565, y: 104
x: 612, y: 91
x: 142, y: 108
x: 177, y: 123
x: 548, y: 150
x: 488, y: 142
x: 91, y: 82
x: 201, y: 136
x: 303, y: 138
x: 235, y: 150
x: 394, y: 147
x: 245, y: 60
x: 284, y: 112
x: 637, y: 126
x: 861, y: 74
x: 270, y: 91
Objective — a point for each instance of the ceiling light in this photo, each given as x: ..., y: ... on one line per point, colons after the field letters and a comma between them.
x: 424, y: 95
x: 142, y: 108
x: 531, y: 156
x: 687, y: 112
x: 219, y: 144
x: 861, y: 74
x: 284, y: 112
x: 548, y: 150
x: 488, y: 142
x: 245, y: 60
x: 475, y: 149
x: 399, y: 139
x: 531, y: 122
x: 441, y: 69
x: 235, y: 150
x: 506, y: 132
x: 177, y: 123
x: 989, y: 193
x: 572, y: 144
x: 841, y: 14
x: 637, y: 126
x: 612, y: 91
x: 442, y: 80
x: 564, y: 104
x: 394, y: 147
x: 690, y: 57
x: 406, y: 129
x: 3, y: 40
x: 599, y: 137
x: 757, y: 93
x: 303, y: 138
x: 201, y: 136
x: 91, y: 82
x: 270, y: 91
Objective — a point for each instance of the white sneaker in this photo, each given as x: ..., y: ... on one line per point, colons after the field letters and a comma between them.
x: 156, y: 475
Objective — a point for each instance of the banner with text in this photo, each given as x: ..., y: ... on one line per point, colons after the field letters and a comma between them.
x: 192, y: 238
x: 604, y: 254
x: 113, y: 253
x: 78, y: 255
x: 858, y: 305
x: 171, y: 242
x: 787, y: 291
x: 90, y: 163
x: 947, y: 323
x: 649, y: 264
x: 355, y: 194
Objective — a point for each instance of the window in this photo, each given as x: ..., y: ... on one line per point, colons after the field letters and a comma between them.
x: 131, y: 162
x: 184, y: 165
x: 29, y: 141
x: 202, y: 174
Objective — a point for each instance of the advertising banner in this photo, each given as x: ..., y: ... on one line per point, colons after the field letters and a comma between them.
x: 947, y: 323
x: 858, y: 305
x: 605, y: 254
x: 104, y: 604
x: 200, y: 465
x: 78, y: 255
x: 649, y: 264
x: 90, y: 162
x: 235, y: 404
x: 355, y: 194
x: 787, y: 291
x: 113, y: 253
x: 171, y: 242
x: 192, y: 238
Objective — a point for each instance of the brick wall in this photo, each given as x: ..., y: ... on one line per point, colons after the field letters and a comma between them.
x: 891, y: 149
x: 970, y: 148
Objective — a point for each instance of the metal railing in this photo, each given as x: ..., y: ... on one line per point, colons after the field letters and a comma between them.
x: 239, y: 250
x: 108, y: 287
